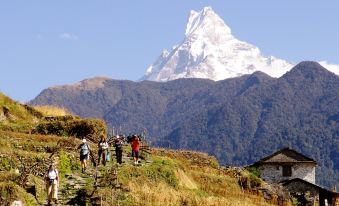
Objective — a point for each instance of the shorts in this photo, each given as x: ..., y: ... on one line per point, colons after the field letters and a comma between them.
x: 135, y: 153
x: 83, y: 157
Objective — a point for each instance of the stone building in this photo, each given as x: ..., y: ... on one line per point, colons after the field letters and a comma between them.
x: 287, y: 164
x: 310, y: 194
x: 296, y: 173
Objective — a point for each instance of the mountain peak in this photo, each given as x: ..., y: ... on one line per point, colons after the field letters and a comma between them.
x: 308, y: 70
x: 310, y: 64
x: 203, y: 18
x: 209, y: 50
x: 307, y: 67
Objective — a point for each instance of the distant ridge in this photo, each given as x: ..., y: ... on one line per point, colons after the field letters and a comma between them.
x: 87, y: 84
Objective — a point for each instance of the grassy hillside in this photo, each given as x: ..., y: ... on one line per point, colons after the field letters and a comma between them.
x: 183, y: 178
x: 24, y: 161
x: 164, y: 178
x: 52, y: 110
x: 16, y: 116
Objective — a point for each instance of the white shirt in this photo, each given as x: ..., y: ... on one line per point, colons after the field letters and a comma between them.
x: 52, y: 174
x: 103, y: 145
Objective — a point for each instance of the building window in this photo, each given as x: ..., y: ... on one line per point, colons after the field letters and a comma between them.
x: 287, y: 171
x: 277, y: 167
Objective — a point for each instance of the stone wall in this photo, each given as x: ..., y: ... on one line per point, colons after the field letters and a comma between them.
x: 273, y: 172
x: 300, y: 187
x: 304, y: 192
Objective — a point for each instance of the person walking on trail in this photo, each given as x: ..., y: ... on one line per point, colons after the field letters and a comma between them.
x: 118, y: 142
x: 103, y: 148
x: 52, y: 184
x: 84, y: 154
x: 135, y: 144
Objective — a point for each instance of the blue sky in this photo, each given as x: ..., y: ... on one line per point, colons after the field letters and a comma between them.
x: 47, y: 43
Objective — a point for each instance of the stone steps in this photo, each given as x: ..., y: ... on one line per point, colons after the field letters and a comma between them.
x: 73, y: 184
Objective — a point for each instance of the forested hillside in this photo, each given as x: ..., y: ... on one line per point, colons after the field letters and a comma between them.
x: 238, y: 120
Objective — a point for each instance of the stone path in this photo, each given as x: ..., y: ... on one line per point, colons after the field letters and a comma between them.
x: 72, y: 189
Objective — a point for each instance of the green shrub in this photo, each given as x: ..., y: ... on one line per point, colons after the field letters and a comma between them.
x: 160, y: 170
x: 65, y: 164
x: 254, y: 181
x: 254, y: 170
x: 7, y: 192
x: 164, y: 170
x: 90, y: 128
x: 6, y: 164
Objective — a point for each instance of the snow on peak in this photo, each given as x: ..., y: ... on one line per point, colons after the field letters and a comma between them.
x: 205, y: 19
x: 209, y: 50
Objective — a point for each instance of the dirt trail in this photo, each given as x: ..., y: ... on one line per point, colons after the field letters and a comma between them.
x: 73, y: 187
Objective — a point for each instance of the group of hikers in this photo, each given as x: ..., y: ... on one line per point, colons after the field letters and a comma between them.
x: 103, y: 150
x: 52, y: 175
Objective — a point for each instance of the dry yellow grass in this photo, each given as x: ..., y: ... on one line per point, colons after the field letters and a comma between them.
x: 52, y: 110
x: 182, y: 178
x: 162, y: 194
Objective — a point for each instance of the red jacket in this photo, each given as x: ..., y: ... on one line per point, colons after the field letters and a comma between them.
x: 136, y: 144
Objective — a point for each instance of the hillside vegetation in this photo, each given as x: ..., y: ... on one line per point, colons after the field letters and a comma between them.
x: 15, y: 116
x: 48, y: 110
x: 165, y: 177
x: 239, y: 120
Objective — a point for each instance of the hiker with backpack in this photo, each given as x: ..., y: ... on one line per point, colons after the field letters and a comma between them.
x: 103, y: 149
x: 84, y: 154
x: 118, y: 143
x: 52, y: 184
x: 135, y: 144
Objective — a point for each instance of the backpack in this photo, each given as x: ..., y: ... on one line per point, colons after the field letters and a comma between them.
x: 108, y: 157
x: 118, y: 144
x: 84, y: 149
x: 129, y: 139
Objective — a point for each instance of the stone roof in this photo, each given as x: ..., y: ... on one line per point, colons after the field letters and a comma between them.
x: 301, y: 181
x: 286, y: 155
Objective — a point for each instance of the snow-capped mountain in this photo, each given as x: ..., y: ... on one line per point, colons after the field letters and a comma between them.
x: 209, y: 50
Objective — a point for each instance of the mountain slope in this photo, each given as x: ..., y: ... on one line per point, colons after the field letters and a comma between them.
x: 88, y: 98
x: 299, y: 110
x: 239, y: 120
x: 210, y: 51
